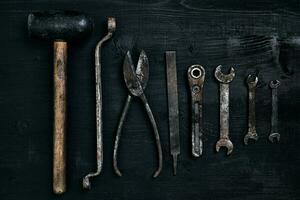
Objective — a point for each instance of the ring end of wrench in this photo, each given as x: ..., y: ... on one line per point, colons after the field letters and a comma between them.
x: 196, y: 73
x: 224, y: 143
x: 272, y: 137
x: 248, y: 136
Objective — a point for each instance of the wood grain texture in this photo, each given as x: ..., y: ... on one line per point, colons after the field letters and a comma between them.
x: 59, y: 123
x: 253, y: 36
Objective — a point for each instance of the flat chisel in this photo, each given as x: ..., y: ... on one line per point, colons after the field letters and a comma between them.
x: 173, y: 106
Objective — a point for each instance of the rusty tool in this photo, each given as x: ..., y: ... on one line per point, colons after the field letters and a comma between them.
x: 136, y: 81
x: 59, y: 26
x: 111, y: 27
x: 252, y: 134
x: 173, y: 107
x: 196, y: 76
x: 274, y: 122
x: 224, y: 80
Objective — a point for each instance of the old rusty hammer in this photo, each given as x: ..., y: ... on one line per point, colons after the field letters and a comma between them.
x: 59, y: 26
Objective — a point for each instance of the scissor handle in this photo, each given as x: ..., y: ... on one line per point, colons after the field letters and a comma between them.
x: 156, y: 134
x: 118, y: 135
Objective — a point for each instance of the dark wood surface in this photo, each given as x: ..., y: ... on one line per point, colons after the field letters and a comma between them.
x: 253, y: 36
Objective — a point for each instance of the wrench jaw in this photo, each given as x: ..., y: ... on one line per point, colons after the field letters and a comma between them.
x: 252, y: 83
x: 274, y: 84
x: 272, y: 137
x: 224, y: 78
x: 223, y: 142
x: 250, y: 135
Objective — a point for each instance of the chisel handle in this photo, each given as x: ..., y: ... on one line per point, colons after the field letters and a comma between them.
x: 59, y: 130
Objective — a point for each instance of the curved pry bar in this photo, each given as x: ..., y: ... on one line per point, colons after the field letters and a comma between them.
x: 111, y: 23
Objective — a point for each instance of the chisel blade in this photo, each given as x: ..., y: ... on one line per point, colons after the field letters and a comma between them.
x: 173, y: 107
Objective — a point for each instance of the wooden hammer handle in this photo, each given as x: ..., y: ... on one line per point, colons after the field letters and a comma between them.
x: 59, y: 135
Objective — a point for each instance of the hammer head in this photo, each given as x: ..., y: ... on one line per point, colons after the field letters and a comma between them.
x: 59, y: 25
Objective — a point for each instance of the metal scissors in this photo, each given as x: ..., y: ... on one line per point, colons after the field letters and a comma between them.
x: 136, y: 81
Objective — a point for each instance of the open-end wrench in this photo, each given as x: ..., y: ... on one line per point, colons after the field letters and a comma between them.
x: 252, y: 134
x: 111, y: 26
x: 196, y: 75
x: 274, y: 122
x: 224, y: 80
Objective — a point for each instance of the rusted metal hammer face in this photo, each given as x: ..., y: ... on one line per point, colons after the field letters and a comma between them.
x: 59, y: 25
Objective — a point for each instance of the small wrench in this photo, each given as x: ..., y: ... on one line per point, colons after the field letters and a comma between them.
x: 196, y: 75
x: 252, y: 134
x: 224, y: 80
x: 274, y: 122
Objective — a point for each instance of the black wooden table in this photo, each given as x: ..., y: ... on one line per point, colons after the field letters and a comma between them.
x: 253, y: 36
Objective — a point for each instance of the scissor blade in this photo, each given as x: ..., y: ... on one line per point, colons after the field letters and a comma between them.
x: 130, y: 77
x: 142, y: 69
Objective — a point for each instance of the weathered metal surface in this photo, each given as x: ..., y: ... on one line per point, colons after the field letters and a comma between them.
x: 252, y: 134
x: 274, y: 119
x: 142, y: 73
x: 224, y: 80
x: 196, y: 76
x: 173, y: 107
x: 111, y: 26
x: 136, y: 81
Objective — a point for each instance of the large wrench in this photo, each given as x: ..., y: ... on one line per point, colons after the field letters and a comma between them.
x: 196, y: 75
x: 224, y: 80
x: 274, y: 122
x: 252, y: 134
